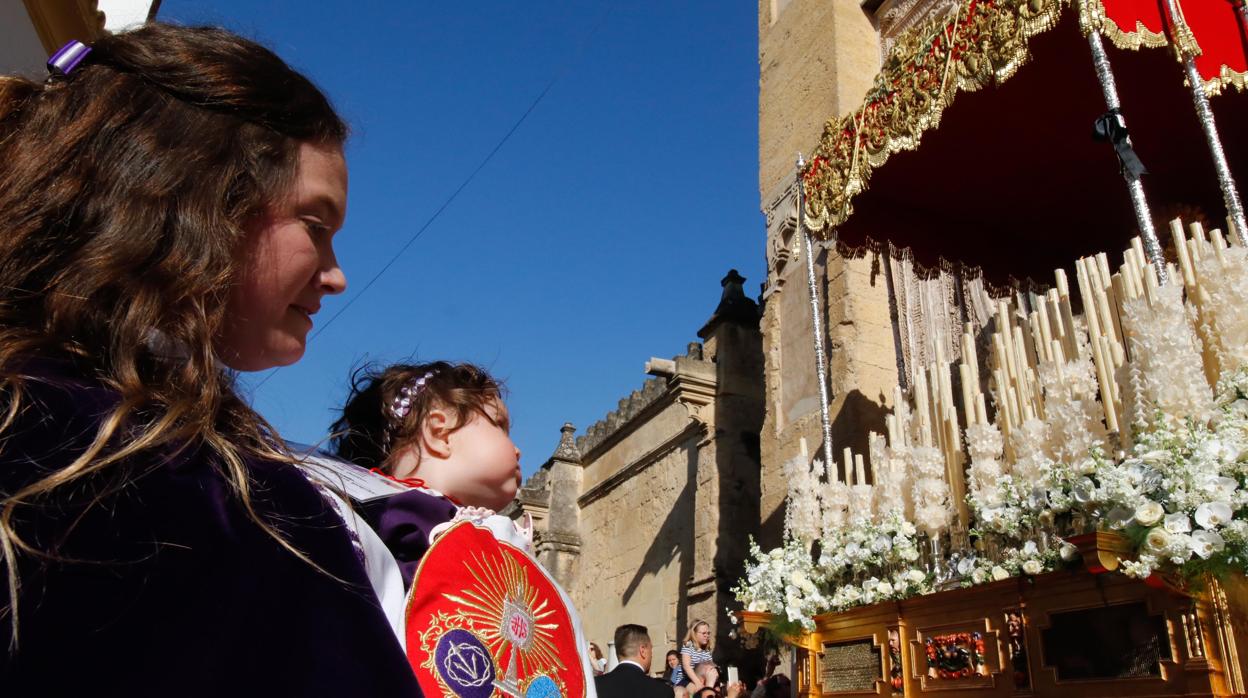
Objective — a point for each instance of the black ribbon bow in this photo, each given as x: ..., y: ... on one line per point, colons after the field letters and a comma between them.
x: 1112, y: 128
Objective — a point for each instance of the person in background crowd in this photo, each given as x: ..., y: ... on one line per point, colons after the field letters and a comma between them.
x: 697, y: 665
x: 596, y: 660
x: 672, y: 673
x: 735, y: 690
x: 777, y: 686
x: 631, y: 677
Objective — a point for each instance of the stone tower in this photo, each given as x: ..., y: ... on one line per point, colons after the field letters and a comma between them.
x: 817, y: 59
x: 644, y: 518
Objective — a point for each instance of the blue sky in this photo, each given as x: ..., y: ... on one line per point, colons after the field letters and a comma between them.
x: 595, y: 238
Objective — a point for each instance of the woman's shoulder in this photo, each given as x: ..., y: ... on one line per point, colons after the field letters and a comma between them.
x: 60, y: 413
x: 55, y: 414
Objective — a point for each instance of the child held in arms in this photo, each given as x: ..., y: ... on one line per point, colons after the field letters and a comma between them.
x: 442, y: 430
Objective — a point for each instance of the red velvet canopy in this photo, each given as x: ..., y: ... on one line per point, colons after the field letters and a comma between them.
x: 1011, y: 179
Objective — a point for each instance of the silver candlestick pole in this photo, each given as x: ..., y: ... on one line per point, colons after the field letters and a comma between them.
x: 1142, y: 214
x: 1230, y: 195
x: 821, y: 363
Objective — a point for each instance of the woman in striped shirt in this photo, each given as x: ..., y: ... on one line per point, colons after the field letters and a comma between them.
x: 695, y: 658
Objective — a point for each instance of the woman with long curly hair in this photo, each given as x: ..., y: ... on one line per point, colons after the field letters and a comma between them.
x: 167, y: 208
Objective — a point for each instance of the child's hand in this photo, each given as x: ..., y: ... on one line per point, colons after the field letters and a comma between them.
x: 473, y: 514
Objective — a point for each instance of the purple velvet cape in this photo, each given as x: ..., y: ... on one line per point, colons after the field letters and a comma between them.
x: 404, y: 521
x: 165, y: 587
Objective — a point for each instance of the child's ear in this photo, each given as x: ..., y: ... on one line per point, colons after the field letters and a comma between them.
x: 437, y: 433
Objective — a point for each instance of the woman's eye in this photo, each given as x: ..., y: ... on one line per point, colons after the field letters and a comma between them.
x: 315, y: 227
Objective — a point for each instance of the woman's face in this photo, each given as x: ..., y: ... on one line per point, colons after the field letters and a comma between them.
x: 673, y: 661
x: 287, y: 266
x: 703, y: 635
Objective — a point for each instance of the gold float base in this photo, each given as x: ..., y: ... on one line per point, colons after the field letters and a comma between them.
x: 1069, y: 633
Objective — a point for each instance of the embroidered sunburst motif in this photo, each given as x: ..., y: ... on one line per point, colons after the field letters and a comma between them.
x: 511, y: 615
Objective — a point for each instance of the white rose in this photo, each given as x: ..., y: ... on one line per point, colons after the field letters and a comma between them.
x: 852, y: 548
x: 907, y: 528
x: 884, y: 589
x: 999, y: 573
x: 909, y: 554
x: 1213, y: 514
x: 1068, y: 552
x: 1149, y: 513
x: 1157, y: 539
x: 965, y: 565
x: 915, y: 577
x: 1178, y: 523
x: 870, y: 584
x: 881, y: 544
x: 1032, y: 567
x: 1206, y: 543
x: 1030, y: 549
x: 977, y: 576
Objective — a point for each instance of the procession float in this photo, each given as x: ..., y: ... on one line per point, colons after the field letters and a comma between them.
x: 1058, y: 502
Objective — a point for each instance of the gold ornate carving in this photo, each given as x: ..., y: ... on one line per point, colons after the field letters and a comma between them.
x: 983, y: 43
x: 1200, y: 627
x: 1092, y: 17
x: 1227, y: 78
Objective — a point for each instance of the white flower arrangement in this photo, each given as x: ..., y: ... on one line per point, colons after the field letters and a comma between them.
x: 1173, y: 481
x: 1179, y: 492
x: 1028, y: 559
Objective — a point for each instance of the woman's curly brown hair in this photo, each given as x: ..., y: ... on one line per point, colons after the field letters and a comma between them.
x: 125, y: 191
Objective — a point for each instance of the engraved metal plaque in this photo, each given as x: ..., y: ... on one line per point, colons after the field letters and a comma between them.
x: 849, y: 666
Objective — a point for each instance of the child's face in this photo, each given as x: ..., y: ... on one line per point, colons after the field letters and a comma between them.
x: 286, y: 266
x: 481, y: 466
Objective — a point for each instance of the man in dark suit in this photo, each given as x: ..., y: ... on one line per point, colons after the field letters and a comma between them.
x: 631, y: 678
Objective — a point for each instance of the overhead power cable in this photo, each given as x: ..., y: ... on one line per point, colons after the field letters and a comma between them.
x: 559, y: 74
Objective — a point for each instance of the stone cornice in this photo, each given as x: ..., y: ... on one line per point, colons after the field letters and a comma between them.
x: 646, y: 460
x: 690, y: 381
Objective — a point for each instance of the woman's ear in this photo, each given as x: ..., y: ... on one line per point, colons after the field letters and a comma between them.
x: 437, y: 433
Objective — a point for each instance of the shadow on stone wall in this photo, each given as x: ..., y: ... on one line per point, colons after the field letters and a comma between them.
x: 674, y: 538
x: 858, y: 415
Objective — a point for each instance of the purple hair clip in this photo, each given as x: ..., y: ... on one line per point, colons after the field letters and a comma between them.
x: 402, y: 403
x: 68, y: 57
